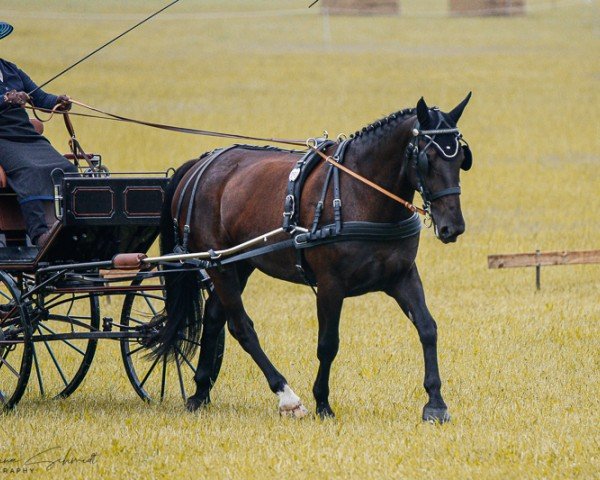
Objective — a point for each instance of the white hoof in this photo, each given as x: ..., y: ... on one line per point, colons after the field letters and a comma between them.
x: 290, y: 404
x: 299, y: 411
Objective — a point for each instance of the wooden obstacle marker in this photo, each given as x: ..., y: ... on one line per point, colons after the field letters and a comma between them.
x: 539, y: 259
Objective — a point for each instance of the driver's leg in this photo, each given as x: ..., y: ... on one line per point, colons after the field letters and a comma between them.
x: 35, y: 219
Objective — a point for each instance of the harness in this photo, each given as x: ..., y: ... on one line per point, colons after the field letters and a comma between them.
x: 195, y: 175
x: 300, y: 238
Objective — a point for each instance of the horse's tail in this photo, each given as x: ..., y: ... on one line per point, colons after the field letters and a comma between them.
x: 182, y: 316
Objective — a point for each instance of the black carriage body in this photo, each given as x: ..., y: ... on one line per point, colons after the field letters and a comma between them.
x: 100, y: 216
x: 112, y: 201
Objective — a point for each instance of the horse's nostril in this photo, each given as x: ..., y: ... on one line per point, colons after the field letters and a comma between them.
x: 444, y: 232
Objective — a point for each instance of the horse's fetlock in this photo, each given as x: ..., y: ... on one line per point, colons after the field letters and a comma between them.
x: 433, y: 387
x: 320, y: 394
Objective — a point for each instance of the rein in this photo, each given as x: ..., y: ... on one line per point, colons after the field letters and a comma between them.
x: 310, y: 143
x: 161, y: 126
x: 411, y: 207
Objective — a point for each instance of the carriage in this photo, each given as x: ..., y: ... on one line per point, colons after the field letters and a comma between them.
x: 50, y: 317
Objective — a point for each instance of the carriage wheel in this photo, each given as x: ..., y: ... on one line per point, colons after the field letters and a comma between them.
x: 61, y: 364
x: 156, y: 379
x: 15, y: 344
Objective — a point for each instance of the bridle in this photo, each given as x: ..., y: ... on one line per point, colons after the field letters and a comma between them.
x: 419, y: 158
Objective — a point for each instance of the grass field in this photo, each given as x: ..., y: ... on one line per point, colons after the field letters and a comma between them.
x: 520, y: 368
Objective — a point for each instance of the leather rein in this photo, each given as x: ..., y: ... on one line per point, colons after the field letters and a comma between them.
x: 311, y: 143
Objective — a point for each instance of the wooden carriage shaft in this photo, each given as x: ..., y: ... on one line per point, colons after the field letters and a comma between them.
x: 218, y: 253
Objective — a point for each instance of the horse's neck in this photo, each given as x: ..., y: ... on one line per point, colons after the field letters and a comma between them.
x: 380, y: 156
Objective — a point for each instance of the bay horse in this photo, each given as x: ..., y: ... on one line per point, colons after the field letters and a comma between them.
x: 241, y: 195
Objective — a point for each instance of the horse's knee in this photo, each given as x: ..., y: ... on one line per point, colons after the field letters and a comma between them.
x: 428, y: 332
x: 327, y: 350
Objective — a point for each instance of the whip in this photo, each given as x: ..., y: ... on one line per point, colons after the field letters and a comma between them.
x: 103, y: 46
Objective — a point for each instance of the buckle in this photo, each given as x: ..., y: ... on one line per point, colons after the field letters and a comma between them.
x: 300, y: 240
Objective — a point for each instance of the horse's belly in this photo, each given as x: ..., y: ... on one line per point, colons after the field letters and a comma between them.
x: 357, y: 267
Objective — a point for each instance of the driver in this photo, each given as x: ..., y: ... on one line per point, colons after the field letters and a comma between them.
x: 26, y: 156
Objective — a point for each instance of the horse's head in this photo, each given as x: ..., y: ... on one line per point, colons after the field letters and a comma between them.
x: 437, y: 156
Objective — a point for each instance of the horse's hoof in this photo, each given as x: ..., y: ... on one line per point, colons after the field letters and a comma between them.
x: 194, y: 403
x: 293, y: 411
x: 325, y: 412
x: 290, y: 404
x: 435, y: 415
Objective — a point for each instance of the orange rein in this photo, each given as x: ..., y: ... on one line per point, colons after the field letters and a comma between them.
x: 310, y: 143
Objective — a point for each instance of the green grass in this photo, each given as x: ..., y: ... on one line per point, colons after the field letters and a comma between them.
x: 520, y: 368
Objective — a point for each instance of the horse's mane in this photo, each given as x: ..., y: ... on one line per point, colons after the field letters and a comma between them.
x: 377, y: 124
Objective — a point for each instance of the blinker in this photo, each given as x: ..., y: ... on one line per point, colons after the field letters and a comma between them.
x: 468, y: 158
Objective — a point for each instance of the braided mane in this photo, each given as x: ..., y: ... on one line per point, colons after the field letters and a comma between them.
x: 391, y: 118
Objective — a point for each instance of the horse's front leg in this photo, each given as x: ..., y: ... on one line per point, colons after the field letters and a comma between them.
x: 329, y: 306
x: 408, y: 292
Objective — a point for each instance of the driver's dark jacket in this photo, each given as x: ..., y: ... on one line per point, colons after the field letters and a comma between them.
x: 14, y: 120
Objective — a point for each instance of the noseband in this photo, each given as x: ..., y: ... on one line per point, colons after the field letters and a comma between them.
x: 421, y: 160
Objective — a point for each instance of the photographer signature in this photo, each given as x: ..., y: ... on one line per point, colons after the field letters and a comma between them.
x: 47, y: 459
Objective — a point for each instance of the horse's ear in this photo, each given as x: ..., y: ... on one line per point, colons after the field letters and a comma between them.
x: 423, y: 113
x: 458, y: 110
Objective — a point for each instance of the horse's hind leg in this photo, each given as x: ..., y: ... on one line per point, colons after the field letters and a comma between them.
x: 409, y: 295
x: 229, y: 286
x: 213, y: 323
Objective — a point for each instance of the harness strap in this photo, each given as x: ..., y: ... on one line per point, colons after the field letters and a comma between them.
x: 337, y: 202
x: 182, y: 195
x: 353, y: 231
x: 321, y: 202
x: 195, y: 175
x: 296, y: 179
x: 301, y: 264
x: 445, y: 192
x: 366, y: 231
x: 338, y: 157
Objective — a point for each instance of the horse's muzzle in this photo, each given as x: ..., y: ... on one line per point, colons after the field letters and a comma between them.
x: 449, y: 233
